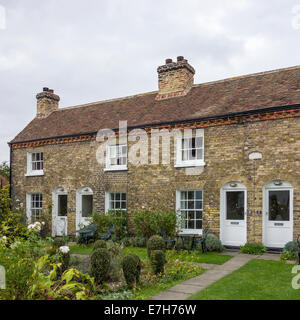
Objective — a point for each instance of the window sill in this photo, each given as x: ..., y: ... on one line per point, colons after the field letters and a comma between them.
x: 191, y: 231
x: 190, y: 164
x: 35, y: 174
x: 117, y: 168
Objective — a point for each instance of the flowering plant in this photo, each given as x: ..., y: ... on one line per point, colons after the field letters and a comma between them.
x: 64, y: 249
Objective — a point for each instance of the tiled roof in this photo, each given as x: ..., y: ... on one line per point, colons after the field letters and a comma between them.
x: 251, y: 92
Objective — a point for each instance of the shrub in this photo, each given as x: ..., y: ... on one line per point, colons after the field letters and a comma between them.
x: 148, y: 223
x: 290, y: 250
x: 155, y: 243
x: 100, y: 265
x: 114, y: 250
x: 253, y: 248
x: 213, y: 243
x: 158, y: 260
x: 58, y: 242
x: 99, y: 244
x: 131, y: 266
x: 117, y: 218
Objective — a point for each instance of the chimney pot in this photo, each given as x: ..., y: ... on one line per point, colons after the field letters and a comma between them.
x: 51, y: 90
x: 180, y: 58
x: 168, y: 61
x: 45, y: 89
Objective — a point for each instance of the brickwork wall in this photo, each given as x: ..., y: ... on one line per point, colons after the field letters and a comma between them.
x: 227, y: 150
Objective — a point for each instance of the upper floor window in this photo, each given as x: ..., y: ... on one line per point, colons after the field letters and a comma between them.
x: 116, y: 201
x: 190, y: 150
x: 35, y: 163
x: 116, y: 157
x: 190, y: 207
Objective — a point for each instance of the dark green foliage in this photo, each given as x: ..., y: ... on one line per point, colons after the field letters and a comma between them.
x: 131, y: 266
x: 117, y: 218
x: 291, y: 250
x: 158, y: 260
x: 100, y: 265
x: 213, y: 243
x: 58, y: 242
x: 99, y: 244
x: 149, y: 222
x: 253, y: 248
x: 65, y: 261
x: 155, y: 243
x: 140, y: 242
x: 4, y: 170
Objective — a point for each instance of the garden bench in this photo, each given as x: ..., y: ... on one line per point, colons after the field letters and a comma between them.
x: 202, y: 241
x: 87, y: 233
x: 108, y: 234
x: 166, y: 239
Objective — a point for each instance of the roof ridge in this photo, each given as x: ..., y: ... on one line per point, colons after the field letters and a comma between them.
x: 246, y: 76
x: 194, y: 86
x: 106, y: 101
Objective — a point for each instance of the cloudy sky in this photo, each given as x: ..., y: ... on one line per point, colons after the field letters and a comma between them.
x: 91, y: 50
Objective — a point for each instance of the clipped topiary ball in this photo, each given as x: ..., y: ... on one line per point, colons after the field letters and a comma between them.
x: 100, y: 264
x: 155, y: 243
x: 131, y: 266
x: 99, y: 244
x: 158, y: 260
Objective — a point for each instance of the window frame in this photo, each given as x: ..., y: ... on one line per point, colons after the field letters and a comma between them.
x: 30, y: 208
x: 30, y: 170
x: 115, y: 167
x: 108, y: 200
x: 179, y: 163
x: 178, y: 210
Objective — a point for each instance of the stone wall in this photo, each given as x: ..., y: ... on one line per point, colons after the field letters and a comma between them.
x: 227, y: 150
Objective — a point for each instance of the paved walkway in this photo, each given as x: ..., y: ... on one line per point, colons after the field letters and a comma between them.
x: 215, y: 272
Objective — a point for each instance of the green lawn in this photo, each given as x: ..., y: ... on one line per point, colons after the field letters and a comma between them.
x: 256, y: 280
x: 181, y: 255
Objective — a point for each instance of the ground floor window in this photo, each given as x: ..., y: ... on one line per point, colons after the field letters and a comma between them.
x: 36, y: 206
x: 116, y: 201
x: 190, y: 207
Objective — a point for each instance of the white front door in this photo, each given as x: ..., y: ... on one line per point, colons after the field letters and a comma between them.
x: 84, y: 207
x: 233, y: 224
x: 278, y: 214
x: 59, y: 213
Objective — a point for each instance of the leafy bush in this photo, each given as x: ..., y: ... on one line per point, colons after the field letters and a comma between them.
x: 58, y: 242
x: 253, y: 248
x: 11, y: 225
x: 158, y: 260
x: 290, y: 250
x: 117, y: 218
x: 155, y: 243
x: 213, y: 243
x: 100, y: 264
x: 114, y: 250
x: 99, y: 244
x: 140, y: 242
x: 148, y: 223
x: 131, y: 266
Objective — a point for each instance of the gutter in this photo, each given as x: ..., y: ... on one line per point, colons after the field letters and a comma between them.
x: 228, y: 115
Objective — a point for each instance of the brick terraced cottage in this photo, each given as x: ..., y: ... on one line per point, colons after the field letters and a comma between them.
x: 238, y: 173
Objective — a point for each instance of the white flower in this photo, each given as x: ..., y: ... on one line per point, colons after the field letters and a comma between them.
x: 35, y: 226
x: 64, y: 249
x: 3, y: 239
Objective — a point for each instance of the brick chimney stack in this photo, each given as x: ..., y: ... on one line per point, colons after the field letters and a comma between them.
x: 175, y: 78
x: 47, y: 102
